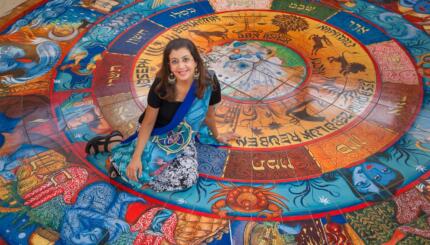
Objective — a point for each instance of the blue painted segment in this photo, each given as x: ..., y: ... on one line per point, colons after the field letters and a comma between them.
x: 135, y: 38
x: 361, y: 30
x: 176, y: 15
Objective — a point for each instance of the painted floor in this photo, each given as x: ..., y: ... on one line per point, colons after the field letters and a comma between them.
x: 331, y: 100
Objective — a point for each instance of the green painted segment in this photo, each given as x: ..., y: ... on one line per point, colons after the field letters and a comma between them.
x: 300, y: 7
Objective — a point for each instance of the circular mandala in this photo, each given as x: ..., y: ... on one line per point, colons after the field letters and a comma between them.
x: 308, y: 95
x: 310, y: 87
x: 330, y: 100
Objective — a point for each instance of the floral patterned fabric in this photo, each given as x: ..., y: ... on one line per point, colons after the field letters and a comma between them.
x: 180, y: 174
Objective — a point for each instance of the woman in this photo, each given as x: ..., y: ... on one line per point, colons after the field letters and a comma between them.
x: 181, y: 101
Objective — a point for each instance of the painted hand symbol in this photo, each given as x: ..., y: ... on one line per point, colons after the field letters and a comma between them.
x: 149, y: 238
x: 67, y: 182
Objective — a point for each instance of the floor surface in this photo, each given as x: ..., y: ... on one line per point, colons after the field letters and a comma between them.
x: 331, y: 100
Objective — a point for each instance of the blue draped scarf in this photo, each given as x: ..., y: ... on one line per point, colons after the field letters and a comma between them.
x: 167, y: 142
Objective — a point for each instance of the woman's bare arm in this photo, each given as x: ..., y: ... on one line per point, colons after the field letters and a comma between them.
x: 211, y: 122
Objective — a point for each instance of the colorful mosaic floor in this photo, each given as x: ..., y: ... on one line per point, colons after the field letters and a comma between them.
x: 331, y: 100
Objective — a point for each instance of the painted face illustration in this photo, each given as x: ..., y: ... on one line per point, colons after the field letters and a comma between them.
x: 89, y: 237
x: 368, y: 177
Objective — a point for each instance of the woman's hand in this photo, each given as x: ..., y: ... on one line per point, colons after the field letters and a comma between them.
x: 226, y: 137
x: 134, y: 169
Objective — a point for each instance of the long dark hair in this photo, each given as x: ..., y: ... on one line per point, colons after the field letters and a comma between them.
x: 166, y: 90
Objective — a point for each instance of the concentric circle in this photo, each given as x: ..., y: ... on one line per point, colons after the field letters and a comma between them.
x: 308, y: 96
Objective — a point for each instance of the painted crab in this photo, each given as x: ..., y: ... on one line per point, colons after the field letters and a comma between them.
x: 248, y: 199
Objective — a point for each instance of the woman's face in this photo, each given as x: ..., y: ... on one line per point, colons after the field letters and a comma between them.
x: 365, y: 177
x: 182, y: 64
x: 88, y: 237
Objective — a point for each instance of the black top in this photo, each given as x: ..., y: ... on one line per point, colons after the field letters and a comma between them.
x: 167, y: 109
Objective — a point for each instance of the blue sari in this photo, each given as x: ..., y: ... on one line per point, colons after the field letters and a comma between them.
x: 167, y: 143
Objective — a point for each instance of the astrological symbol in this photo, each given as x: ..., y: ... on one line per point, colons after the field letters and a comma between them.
x: 114, y: 74
x: 353, y: 145
x: 230, y: 117
x: 358, y: 27
x: 251, y: 112
x: 183, y: 13
x: 293, y: 5
x: 156, y: 48
x: 309, y: 8
x: 274, y: 164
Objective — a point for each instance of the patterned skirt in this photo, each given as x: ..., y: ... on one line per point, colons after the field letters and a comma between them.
x: 179, y: 174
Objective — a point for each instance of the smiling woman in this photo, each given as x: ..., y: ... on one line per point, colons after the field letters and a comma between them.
x: 162, y: 154
x: 182, y: 66
x: 331, y: 100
